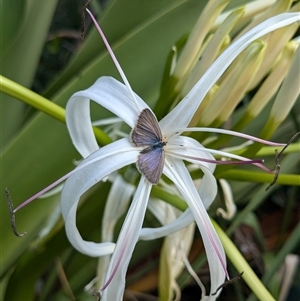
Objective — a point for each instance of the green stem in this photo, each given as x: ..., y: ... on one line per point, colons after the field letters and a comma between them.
x: 42, y: 104
x: 235, y: 257
x: 288, y: 247
x: 31, y: 98
x: 258, y: 177
x: 231, y: 251
x: 241, y: 265
x: 270, y: 150
x: 171, y: 199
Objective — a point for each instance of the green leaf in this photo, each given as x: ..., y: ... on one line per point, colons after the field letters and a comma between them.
x: 20, y: 62
x: 12, y: 17
x: 132, y: 16
x: 41, y: 154
x: 151, y: 40
x: 55, y: 247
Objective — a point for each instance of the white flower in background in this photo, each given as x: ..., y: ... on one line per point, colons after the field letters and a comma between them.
x: 115, y: 206
x: 229, y: 201
x: 152, y: 145
x: 174, y: 251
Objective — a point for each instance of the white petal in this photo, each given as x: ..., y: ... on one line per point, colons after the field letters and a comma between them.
x: 159, y: 209
x: 116, y: 205
x: 207, y: 192
x: 174, y: 251
x: 86, y: 247
x: 182, y: 114
x: 184, y: 220
x: 190, y: 147
x: 126, y: 242
x: 176, y: 171
x: 184, y: 153
x: 229, y: 201
x: 110, y: 94
x: 207, y: 189
x: 92, y: 170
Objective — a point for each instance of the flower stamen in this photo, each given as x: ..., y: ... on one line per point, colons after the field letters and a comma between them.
x: 229, y: 132
x: 12, y: 214
x: 98, y: 295
x: 113, y: 57
x: 244, y: 161
x: 277, y: 160
x: 228, y: 282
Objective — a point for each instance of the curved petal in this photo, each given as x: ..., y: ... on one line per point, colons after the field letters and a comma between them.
x: 115, y: 278
x: 175, y: 248
x: 109, y: 93
x: 207, y: 191
x: 159, y: 209
x: 194, y: 152
x: 208, y: 187
x: 176, y: 171
x: 190, y: 147
x: 229, y: 201
x: 92, y: 170
x: 182, y: 114
x: 185, y: 219
x: 116, y: 204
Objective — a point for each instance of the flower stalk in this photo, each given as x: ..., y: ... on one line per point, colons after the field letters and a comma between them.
x: 42, y: 104
x: 242, y: 265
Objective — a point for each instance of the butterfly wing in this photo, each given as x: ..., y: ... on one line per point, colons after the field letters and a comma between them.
x: 151, y: 164
x: 147, y: 130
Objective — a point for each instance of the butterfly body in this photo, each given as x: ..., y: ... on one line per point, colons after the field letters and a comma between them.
x: 147, y: 133
x: 157, y: 145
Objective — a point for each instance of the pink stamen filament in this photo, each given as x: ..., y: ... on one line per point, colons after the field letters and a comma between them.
x: 44, y: 191
x: 181, y: 156
x: 113, y: 57
x: 221, y: 162
x: 112, y: 275
x: 229, y: 162
x: 217, y: 250
x: 210, y: 236
x: 63, y: 178
x: 233, y: 133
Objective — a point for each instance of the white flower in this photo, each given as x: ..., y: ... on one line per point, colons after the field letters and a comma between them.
x: 99, y: 163
x: 174, y: 251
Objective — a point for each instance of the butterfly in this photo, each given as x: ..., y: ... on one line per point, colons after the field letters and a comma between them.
x: 147, y: 133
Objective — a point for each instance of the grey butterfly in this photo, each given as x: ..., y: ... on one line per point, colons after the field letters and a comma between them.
x: 152, y: 158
